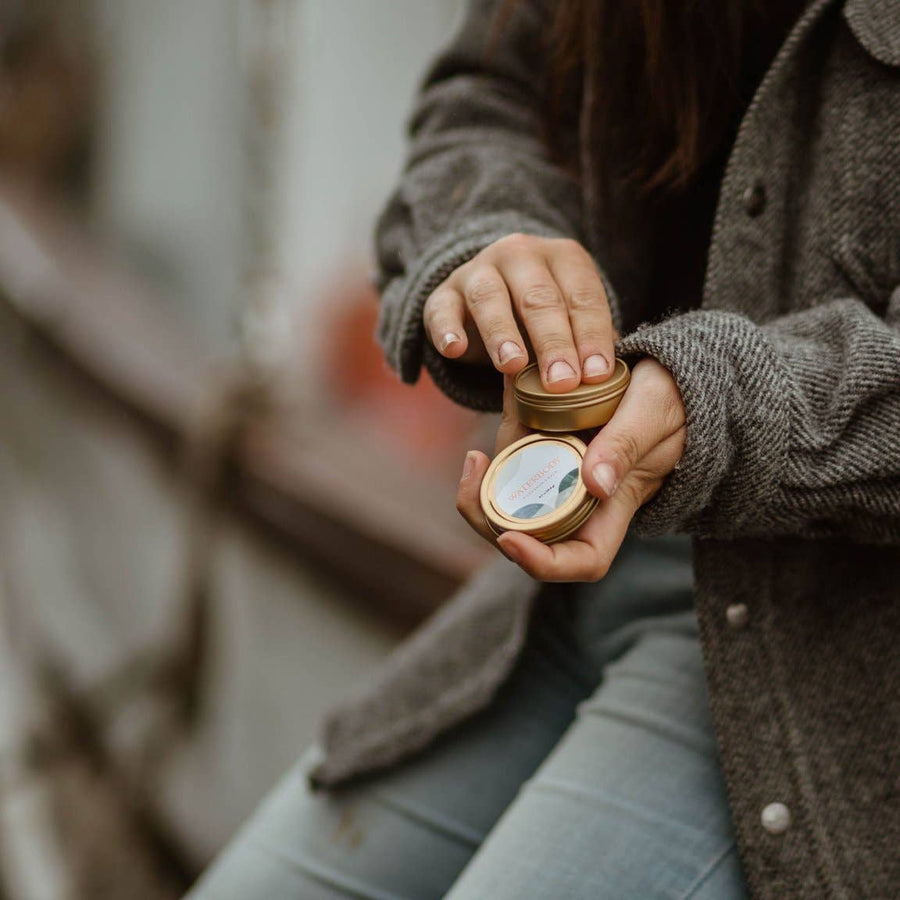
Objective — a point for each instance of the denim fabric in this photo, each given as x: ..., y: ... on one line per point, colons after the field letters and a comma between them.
x: 594, y: 775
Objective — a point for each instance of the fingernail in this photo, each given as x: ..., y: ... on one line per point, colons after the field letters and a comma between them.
x: 508, y: 350
x: 559, y: 371
x: 449, y: 338
x: 468, y: 465
x: 595, y: 365
x: 605, y: 475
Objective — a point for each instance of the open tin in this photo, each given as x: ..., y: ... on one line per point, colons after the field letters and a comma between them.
x: 534, y: 485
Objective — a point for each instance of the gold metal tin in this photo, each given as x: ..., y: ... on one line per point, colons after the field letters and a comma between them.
x: 586, y: 406
x: 553, y: 526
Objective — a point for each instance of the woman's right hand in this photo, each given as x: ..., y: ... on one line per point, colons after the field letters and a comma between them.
x: 524, y: 290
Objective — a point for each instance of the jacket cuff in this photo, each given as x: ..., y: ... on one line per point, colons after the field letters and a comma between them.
x: 401, y: 332
x: 698, y: 349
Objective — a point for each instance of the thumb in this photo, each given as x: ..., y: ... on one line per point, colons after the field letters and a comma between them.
x: 642, y: 421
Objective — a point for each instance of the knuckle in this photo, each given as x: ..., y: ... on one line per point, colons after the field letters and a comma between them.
x: 586, y: 299
x: 482, y: 289
x: 639, y: 491
x: 627, y: 449
x: 673, y: 409
x: 648, y: 388
x: 516, y: 242
x: 540, y: 298
x: 636, y: 488
x: 661, y: 384
x: 659, y: 391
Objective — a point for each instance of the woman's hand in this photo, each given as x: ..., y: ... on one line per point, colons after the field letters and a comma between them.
x: 624, y: 466
x: 548, y: 287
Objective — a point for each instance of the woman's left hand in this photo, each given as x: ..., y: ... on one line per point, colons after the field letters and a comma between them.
x: 624, y: 466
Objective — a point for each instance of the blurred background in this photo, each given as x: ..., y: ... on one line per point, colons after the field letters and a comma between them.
x: 218, y: 509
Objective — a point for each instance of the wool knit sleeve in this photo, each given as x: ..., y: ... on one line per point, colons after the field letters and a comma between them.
x: 477, y: 170
x: 793, y: 426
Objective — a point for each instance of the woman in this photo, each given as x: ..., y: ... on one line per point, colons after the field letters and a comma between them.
x: 568, y: 177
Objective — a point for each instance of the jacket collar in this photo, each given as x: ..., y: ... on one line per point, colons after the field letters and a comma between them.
x: 876, y: 24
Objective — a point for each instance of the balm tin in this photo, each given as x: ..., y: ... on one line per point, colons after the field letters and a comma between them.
x: 534, y: 486
x: 586, y: 406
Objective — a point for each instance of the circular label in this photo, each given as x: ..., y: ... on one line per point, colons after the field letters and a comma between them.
x: 537, y: 480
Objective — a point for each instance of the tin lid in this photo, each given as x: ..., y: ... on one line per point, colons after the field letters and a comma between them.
x: 586, y: 406
x: 535, y: 486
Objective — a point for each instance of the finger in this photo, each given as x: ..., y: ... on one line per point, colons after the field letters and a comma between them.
x: 540, y: 305
x: 585, y: 557
x: 468, y: 500
x: 444, y: 319
x: 511, y: 429
x: 589, y: 315
x: 476, y: 352
x: 650, y: 412
x: 488, y: 303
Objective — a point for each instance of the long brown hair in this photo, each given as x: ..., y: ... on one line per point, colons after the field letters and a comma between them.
x: 665, y: 77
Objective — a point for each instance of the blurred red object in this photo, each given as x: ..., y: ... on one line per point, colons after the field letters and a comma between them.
x: 417, y: 421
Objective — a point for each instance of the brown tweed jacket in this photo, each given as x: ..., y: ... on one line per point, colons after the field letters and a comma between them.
x: 790, y: 480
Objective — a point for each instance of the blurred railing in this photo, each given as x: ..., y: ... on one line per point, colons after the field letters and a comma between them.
x: 374, y: 525
x: 387, y: 533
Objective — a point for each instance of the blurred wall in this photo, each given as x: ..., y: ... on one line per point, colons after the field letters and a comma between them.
x: 171, y: 165
x: 358, y: 65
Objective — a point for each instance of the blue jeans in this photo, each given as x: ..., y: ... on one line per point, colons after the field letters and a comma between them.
x: 594, y: 774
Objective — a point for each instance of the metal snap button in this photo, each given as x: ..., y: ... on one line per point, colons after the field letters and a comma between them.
x: 754, y: 199
x: 737, y: 615
x: 776, y: 818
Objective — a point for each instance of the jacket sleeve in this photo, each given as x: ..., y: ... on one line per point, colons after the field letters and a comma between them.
x: 793, y: 426
x: 477, y: 170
